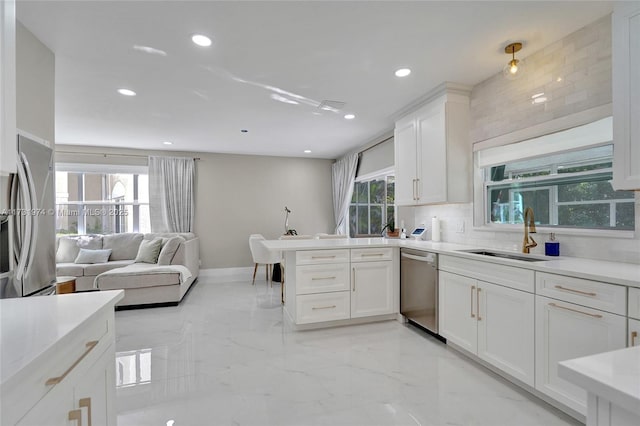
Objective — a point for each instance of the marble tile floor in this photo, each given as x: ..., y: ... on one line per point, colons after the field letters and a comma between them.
x: 225, y: 356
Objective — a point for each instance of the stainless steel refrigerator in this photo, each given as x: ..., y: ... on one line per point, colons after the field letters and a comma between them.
x: 27, y: 223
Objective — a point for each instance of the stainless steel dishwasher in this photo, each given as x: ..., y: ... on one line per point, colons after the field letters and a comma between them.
x: 419, y: 288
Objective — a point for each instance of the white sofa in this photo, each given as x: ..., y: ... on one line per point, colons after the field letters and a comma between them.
x: 144, y: 283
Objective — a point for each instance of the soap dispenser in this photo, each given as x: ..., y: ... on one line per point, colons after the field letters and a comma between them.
x: 552, y: 247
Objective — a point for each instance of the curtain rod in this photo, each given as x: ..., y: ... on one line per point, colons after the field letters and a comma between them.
x: 111, y: 155
x: 375, y: 144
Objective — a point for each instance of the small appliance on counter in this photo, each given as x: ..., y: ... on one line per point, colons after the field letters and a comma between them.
x: 418, y: 232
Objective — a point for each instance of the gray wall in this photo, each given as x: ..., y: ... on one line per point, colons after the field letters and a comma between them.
x: 239, y: 195
x: 35, y: 81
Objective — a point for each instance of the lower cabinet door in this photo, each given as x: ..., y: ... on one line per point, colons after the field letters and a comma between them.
x: 458, y: 310
x: 565, y: 331
x: 506, y: 330
x: 321, y: 307
x: 95, y: 392
x: 53, y: 409
x: 371, y: 289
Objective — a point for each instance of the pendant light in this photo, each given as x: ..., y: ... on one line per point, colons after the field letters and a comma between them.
x: 513, y: 69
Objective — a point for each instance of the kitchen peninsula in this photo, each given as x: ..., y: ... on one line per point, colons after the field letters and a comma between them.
x: 57, y: 359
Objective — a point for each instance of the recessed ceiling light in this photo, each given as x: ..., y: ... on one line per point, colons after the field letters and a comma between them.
x: 307, y: 151
x: 349, y: 116
x: 403, y: 72
x: 201, y: 40
x: 244, y: 131
x: 167, y: 143
x: 126, y: 92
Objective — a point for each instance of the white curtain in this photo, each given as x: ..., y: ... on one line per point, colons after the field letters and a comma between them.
x: 171, y: 198
x: 343, y: 178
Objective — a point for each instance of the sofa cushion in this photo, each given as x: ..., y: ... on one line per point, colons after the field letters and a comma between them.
x: 123, y: 246
x: 93, y: 256
x: 186, y: 235
x: 98, y: 268
x: 69, y: 246
x: 169, y: 249
x: 149, y: 251
x: 69, y: 268
x: 138, y: 275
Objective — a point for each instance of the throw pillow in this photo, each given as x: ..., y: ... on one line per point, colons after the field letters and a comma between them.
x: 169, y: 249
x: 149, y: 251
x: 93, y: 256
x: 124, y: 246
x: 67, y: 250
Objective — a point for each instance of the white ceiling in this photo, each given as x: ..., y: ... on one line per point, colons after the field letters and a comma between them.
x: 200, y: 98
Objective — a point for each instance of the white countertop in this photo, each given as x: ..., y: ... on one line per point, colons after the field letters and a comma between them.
x: 30, y: 326
x: 612, y: 272
x: 614, y: 376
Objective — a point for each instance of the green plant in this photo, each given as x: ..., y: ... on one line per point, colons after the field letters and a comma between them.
x: 390, y: 226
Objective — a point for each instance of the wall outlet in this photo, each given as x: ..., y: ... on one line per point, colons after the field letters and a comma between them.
x: 460, y: 226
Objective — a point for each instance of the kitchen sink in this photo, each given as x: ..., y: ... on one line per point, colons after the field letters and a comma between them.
x: 503, y: 255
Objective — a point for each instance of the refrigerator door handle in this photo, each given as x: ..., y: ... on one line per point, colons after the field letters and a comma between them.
x: 34, y: 207
x: 26, y: 239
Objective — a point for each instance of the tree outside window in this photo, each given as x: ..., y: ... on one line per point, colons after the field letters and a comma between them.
x: 372, y: 205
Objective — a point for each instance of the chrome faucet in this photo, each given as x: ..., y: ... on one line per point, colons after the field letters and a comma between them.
x: 529, y: 228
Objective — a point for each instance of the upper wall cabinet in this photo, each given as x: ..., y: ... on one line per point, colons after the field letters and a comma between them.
x: 7, y: 87
x: 626, y: 95
x: 432, y: 151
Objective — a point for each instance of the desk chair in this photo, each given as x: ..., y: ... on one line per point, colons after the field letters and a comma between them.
x: 262, y: 256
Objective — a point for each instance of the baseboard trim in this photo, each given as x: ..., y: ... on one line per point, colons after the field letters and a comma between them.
x: 227, y: 275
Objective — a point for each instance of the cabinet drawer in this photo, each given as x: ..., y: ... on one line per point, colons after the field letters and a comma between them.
x: 509, y: 276
x: 312, y: 257
x: 371, y: 254
x: 323, y: 307
x: 61, y: 361
x: 634, y: 303
x: 594, y: 294
x: 322, y: 278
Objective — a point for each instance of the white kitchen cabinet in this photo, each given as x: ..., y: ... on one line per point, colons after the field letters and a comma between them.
x: 494, y: 322
x: 85, y: 397
x: 372, y: 289
x: 565, y: 331
x: 7, y: 87
x: 626, y: 95
x: 432, y: 151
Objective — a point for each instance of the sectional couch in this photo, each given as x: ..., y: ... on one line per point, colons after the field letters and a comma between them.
x: 146, y: 284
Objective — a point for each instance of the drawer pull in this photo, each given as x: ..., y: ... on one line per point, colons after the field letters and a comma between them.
x: 55, y: 380
x: 473, y: 289
x: 323, y: 307
x: 372, y: 254
x: 86, y: 403
x: 76, y: 415
x: 575, y: 310
x: 634, y: 334
x: 323, y: 257
x: 586, y: 293
x: 322, y: 278
x: 478, y: 303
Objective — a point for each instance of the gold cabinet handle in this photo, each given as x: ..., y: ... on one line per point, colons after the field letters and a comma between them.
x: 323, y: 307
x: 586, y: 293
x: 353, y: 281
x: 76, y: 415
x: 575, y: 310
x: 86, y: 403
x: 413, y: 188
x: 473, y: 288
x: 323, y: 257
x: 56, y: 380
x: 478, y: 303
x: 417, y: 189
x: 322, y: 278
x: 634, y: 334
x: 372, y: 254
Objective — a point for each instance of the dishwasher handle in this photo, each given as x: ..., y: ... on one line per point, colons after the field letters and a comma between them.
x: 429, y: 258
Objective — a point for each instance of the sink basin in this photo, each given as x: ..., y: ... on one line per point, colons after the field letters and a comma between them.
x: 504, y: 255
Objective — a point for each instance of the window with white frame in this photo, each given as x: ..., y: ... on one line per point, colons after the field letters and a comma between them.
x: 372, y: 204
x: 101, y: 199
x: 566, y: 182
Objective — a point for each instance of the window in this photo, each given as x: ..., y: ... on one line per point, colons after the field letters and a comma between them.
x: 101, y: 202
x: 566, y: 190
x: 372, y: 205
